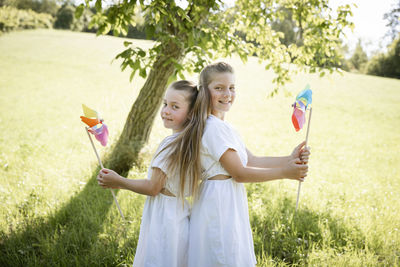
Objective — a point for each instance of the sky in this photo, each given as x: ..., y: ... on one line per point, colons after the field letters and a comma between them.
x: 368, y: 20
x: 369, y: 23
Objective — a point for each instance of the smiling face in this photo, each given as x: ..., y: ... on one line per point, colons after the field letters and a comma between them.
x: 222, y: 90
x: 175, y: 109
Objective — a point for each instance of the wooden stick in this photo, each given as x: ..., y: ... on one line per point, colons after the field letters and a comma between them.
x: 299, y: 188
x: 101, y: 165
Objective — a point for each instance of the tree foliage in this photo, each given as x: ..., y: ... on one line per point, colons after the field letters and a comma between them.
x: 189, y: 37
x: 39, y: 6
x: 359, y: 57
x: 386, y: 65
x: 203, y: 31
x: 393, y: 18
x: 65, y: 17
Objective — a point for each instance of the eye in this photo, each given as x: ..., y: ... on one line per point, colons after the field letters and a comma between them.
x: 164, y: 104
x: 232, y: 88
x: 175, y: 107
x: 218, y: 88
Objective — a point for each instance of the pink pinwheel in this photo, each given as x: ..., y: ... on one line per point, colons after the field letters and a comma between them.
x: 100, y: 131
x: 303, y: 100
x: 97, y: 127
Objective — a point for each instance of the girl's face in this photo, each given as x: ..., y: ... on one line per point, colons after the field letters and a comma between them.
x: 222, y: 90
x: 175, y: 109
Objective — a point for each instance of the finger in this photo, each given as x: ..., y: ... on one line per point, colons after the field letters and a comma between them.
x: 105, y: 171
x: 299, y: 146
x: 297, y: 161
x: 304, y: 158
x: 305, y: 153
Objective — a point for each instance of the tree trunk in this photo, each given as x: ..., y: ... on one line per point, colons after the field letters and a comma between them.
x: 141, y: 117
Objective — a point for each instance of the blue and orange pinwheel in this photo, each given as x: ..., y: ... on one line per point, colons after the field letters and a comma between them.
x: 303, y: 100
x: 96, y: 125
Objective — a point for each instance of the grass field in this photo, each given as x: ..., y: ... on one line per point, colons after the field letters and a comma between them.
x: 52, y: 213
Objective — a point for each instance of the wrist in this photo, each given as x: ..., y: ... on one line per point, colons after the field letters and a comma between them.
x: 281, y: 173
x: 121, y: 181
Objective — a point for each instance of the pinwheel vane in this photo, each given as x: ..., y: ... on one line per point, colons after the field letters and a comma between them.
x: 303, y: 101
x: 100, y: 131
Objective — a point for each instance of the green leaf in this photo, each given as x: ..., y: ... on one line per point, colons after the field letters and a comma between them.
x: 136, y: 65
x: 98, y: 5
x: 150, y: 29
x: 79, y: 10
x: 132, y: 75
x: 126, y: 43
x: 143, y: 73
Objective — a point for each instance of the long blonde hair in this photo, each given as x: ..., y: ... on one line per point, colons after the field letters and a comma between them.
x: 184, y: 153
x: 186, y: 147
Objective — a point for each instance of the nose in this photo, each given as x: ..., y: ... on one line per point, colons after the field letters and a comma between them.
x: 165, y: 110
x: 227, y: 93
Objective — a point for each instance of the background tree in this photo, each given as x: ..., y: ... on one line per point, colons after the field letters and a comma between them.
x: 359, y: 57
x: 393, y: 18
x: 189, y: 37
x: 39, y: 6
x: 386, y: 65
x: 65, y: 17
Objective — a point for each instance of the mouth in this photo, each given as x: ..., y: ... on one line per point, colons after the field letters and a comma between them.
x: 166, y: 119
x: 225, y: 102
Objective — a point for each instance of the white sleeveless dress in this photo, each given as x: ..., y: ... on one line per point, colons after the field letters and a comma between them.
x: 164, y: 230
x: 220, y: 232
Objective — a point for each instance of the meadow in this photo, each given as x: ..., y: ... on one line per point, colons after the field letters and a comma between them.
x: 53, y: 213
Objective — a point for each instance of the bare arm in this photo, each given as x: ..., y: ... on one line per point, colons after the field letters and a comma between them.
x: 275, y: 162
x: 231, y: 162
x: 266, y: 162
x: 110, y: 179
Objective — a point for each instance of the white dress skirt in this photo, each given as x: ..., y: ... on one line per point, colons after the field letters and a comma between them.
x: 164, y: 233
x: 220, y: 233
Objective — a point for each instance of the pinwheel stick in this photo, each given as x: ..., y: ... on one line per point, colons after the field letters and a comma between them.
x: 299, y: 188
x: 101, y: 165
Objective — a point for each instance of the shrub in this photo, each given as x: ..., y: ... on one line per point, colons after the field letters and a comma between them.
x: 386, y: 65
x: 65, y: 17
x: 12, y: 19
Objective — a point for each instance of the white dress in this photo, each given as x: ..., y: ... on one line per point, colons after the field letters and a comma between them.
x: 220, y: 232
x: 164, y: 230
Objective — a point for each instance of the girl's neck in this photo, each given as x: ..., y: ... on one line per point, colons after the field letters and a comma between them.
x: 176, y: 131
x: 218, y: 114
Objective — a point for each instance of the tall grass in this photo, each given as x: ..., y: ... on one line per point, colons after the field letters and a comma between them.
x: 52, y: 212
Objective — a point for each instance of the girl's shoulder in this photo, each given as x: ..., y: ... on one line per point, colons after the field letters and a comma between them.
x: 213, y: 123
x: 165, y: 142
x: 168, y: 139
x: 216, y: 128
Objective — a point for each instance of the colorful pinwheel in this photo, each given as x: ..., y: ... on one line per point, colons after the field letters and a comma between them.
x: 303, y: 101
x: 100, y: 131
x: 97, y: 127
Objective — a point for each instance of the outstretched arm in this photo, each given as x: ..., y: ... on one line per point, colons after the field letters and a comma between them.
x: 110, y: 179
x: 231, y: 162
x: 266, y: 162
x: 275, y: 162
